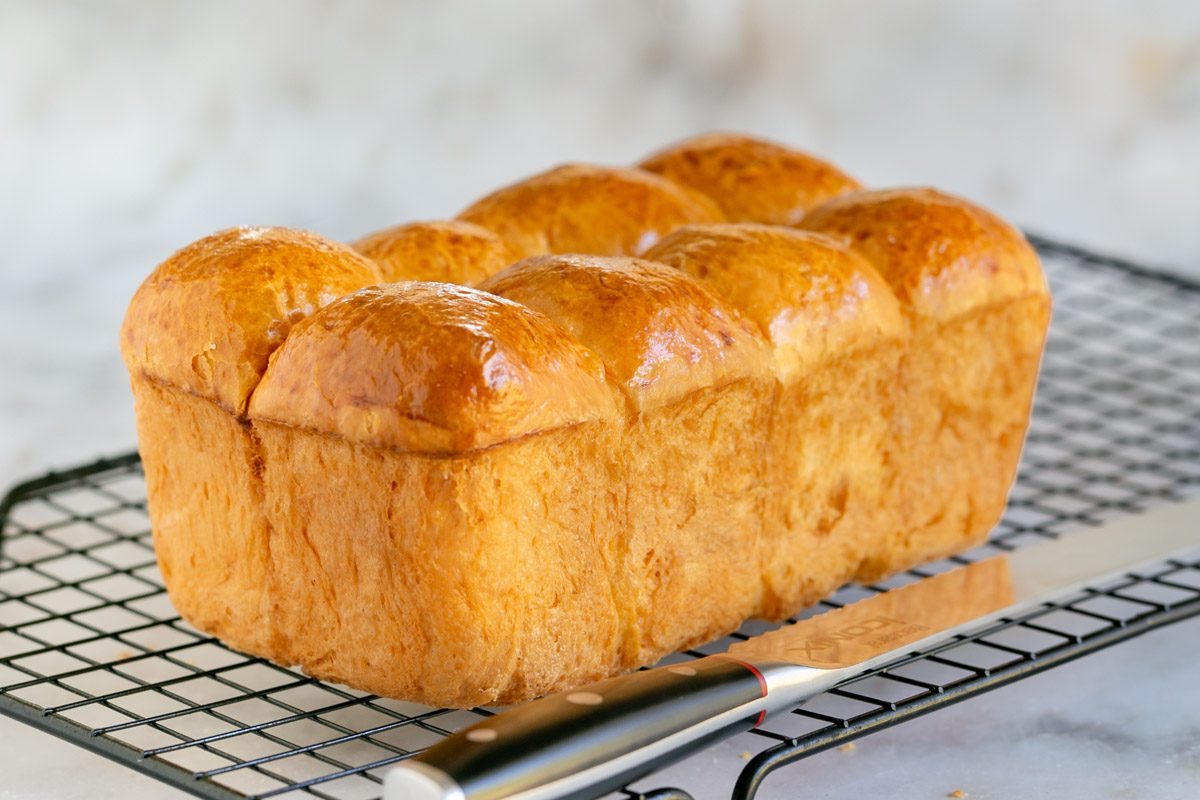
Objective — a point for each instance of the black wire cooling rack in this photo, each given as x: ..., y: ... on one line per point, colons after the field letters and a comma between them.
x: 92, y: 651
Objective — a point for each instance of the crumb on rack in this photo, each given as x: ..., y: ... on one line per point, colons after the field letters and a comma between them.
x: 847, y: 747
x: 745, y: 755
x: 957, y: 793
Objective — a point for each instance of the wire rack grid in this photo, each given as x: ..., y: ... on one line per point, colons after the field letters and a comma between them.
x: 92, y: 651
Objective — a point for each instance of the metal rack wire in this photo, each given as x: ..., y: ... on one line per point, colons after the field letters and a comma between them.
x: 91, y: 650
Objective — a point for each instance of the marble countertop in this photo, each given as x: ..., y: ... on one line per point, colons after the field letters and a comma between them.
x: 130, y: 129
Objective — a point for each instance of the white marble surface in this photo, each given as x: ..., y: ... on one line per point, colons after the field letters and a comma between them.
x: 130, y: 128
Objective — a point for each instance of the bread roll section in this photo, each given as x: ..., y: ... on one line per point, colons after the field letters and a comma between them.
x: 578, y: 208
x: 431, y: 518
x: 431, y: 367
x: 751, y: 180
x: 207, y: 320
x: 976, y: 299
x: 448, y: 251
x: 687, y: 465
x: 359, y: 465
x: 196, y: 339
x: 836, y: 335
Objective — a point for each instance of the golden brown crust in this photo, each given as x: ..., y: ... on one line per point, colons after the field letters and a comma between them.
x: 659, y: 332
x: 208, y: 318
x: 578, y: 208
x: 448, y: 251
x: 810, y: 297
x: 431, y: 367
x: 436, y: 495
x: 752, y: 180
x: 942, y: 255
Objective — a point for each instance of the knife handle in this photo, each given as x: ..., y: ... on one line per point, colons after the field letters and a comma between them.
x: 588, y: 741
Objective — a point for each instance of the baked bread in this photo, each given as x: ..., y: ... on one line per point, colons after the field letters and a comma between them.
x: 577, y: 208
x: 429, y: 515
x: 978, y: 308
x: 751, y: 180
x: 449, y: 251
x: 459, y: 496
x: 836, y: 335
x: 197, y: 338
x: 686, y: 464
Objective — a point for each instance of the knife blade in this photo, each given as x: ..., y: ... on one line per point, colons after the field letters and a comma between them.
x: 597, y: 738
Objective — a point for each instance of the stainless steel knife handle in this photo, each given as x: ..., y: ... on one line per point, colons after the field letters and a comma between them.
x: 588, y: 741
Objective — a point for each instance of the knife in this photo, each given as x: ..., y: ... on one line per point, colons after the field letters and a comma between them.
x: 585, y: 742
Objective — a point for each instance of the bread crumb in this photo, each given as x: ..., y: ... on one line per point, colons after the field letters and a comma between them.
x: 745, y: 755
x: 957, y: 793
x: 124, y: 654
x: 847, y: 747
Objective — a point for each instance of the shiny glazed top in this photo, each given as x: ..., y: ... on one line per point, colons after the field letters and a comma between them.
x: 811, y: 297
x: 208, y: 318
x: 751, y: 180
x: 586, y: 209
x: 435, y: 368
x: 659, y: 332
x: 431, y: 367
x: 450, y: 251
x: 942, y: 255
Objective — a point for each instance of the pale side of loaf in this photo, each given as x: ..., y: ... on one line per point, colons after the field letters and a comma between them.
x: 836, y: 335
x: 978, y: 308
x: 469, y: 496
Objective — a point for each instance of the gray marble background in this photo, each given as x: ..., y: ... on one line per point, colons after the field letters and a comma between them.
x: 128, y: 129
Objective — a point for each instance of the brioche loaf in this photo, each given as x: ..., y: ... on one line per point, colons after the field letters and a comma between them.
x: 360, y: 465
